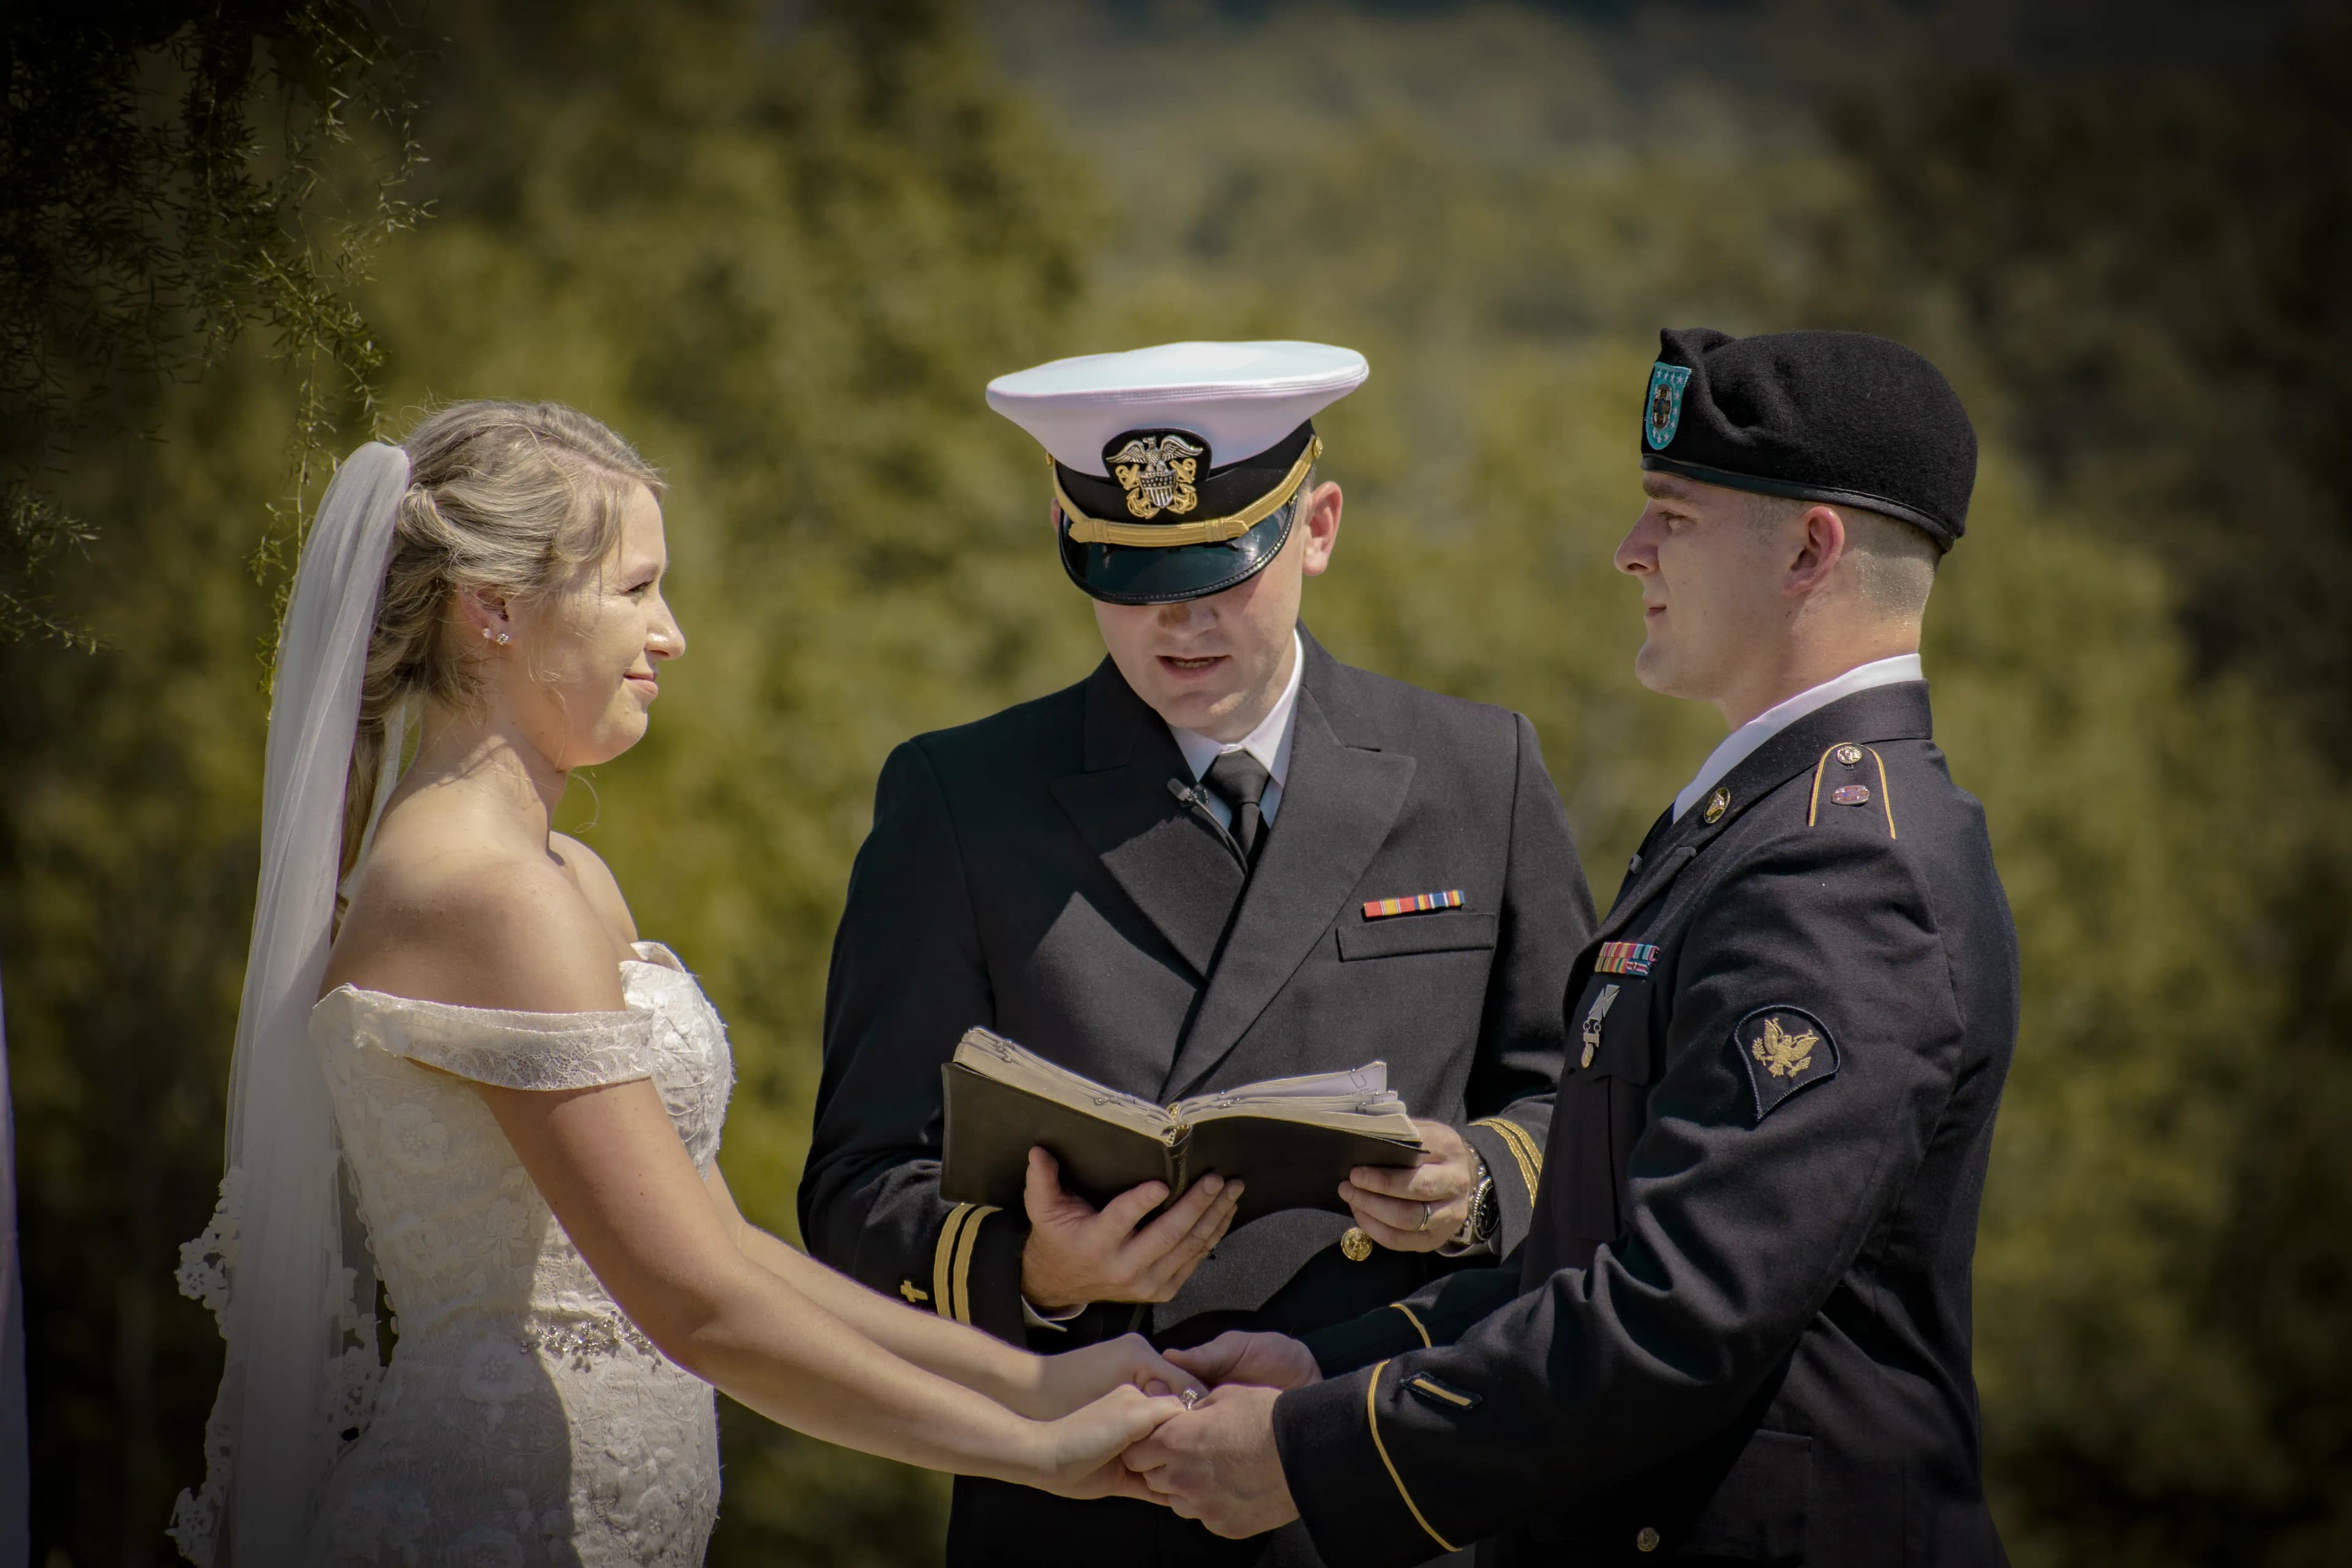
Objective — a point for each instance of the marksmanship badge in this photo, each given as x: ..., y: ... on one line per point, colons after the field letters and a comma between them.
x: 1784, y: 1049
x: 1663, y: 414
x: 1156, y: 468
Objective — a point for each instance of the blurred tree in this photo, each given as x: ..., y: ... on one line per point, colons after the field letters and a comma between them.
x: 162, y: 174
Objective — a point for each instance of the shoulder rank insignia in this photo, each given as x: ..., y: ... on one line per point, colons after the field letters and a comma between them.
x: 1783, y: 1049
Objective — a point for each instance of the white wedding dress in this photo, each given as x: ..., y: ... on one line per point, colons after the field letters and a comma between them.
x: 522, y: 1420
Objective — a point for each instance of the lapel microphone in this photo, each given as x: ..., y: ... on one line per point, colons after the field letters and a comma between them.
x: 1194, y: 795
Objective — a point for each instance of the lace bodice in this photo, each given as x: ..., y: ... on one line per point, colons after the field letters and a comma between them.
x: 522, y: 1419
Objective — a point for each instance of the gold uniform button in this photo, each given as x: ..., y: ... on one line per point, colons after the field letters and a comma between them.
x: 1850, y: 755
x: 1648, y: 1540
x: 1717, y: 803
x: 1355, y: 1247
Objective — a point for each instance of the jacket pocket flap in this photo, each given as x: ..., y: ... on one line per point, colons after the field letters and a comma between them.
x: 1452, y: 930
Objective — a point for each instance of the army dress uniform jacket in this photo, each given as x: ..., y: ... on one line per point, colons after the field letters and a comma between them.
x: 1034, y: 873
x: 1741, y: 1329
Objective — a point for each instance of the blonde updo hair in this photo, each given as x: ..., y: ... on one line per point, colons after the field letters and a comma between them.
x: 506, y: 500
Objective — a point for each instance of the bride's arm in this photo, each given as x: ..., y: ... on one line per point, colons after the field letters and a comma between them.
x: 609, y: 1162
x: 610, y: 1165
x: 1043, y: 1386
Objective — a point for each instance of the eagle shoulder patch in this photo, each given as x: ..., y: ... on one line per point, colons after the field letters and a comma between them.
x: 1784, y: 1049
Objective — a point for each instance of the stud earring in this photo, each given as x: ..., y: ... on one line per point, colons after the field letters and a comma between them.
x: 486, y: 634
x: 504, y: 639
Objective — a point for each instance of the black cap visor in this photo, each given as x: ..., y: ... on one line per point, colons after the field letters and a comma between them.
x: 1131, y: 575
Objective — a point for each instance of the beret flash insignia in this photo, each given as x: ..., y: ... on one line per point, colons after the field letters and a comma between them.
x: 1663, y: 414
x: 1784, y: 1049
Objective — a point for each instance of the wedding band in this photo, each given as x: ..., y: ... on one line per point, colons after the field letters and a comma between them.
x: 1426, y: 1211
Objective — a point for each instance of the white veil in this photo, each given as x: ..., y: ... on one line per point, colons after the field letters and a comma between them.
x: 283, y: 1265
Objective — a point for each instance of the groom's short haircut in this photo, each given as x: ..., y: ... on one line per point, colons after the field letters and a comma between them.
x: 1894, y: 561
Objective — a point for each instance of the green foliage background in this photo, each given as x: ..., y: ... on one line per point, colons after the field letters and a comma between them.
x: 783, y: 251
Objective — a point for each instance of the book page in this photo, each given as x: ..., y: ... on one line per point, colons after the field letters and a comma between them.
x: 997, y: 1058
x: 1372, y: 1077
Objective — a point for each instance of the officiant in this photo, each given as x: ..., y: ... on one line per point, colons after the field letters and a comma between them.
x: 1223, y: 857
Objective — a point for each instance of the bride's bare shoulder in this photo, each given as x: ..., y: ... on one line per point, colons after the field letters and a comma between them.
x: 475, y: 922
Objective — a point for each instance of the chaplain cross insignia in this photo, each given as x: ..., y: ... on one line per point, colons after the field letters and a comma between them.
x: 1782, y: 1053
x: 1157, y: 473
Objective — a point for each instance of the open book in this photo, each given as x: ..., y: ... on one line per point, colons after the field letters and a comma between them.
x: 1291, y: 1140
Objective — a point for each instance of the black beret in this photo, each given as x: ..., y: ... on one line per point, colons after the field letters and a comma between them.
x: 1830, y: 416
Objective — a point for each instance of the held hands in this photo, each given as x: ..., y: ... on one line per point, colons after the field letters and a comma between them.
x: 1217, y: 1463
x: 1076, y: 1254
x: 1269, y: 1360
x: 1419, y: 1208
x: 1059, y: 1385
x: 1080, y: 1456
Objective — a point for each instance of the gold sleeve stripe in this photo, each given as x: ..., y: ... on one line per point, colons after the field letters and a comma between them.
x: 1373, y: 1420
x: 1409, y: 1318
x: 943, y: 1257
x: 965, y: 1246
x: 1885, y: 795
x: 1523, y: 1151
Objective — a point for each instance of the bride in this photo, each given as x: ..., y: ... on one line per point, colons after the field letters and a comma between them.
x: 477, y: 1079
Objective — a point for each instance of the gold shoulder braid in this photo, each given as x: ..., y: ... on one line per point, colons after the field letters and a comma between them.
x: 1084, y: 529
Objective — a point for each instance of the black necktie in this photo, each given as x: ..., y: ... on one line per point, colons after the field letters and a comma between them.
x: 1238, y: 777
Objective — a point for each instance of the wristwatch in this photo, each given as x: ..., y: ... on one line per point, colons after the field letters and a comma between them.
x: 1479, y: 1223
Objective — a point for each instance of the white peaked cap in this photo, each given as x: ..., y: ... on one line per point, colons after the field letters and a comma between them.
x: 1241, y: 398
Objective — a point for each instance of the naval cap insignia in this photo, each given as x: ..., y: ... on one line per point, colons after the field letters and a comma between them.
x: 1784, y: 1049
x: 1662, y: 412
x: 1717, y: 803
x: 1157, y: 469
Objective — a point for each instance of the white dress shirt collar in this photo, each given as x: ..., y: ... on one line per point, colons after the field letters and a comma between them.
x: 1269, y: 742
x: 1741, y: 742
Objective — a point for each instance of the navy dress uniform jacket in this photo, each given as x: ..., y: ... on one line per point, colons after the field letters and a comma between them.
x: 1739, y: 1331
x: 1034, y: 873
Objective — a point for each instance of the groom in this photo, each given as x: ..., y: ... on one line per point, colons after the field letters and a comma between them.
x: 1739, y: 1329
x: 1197, y: 869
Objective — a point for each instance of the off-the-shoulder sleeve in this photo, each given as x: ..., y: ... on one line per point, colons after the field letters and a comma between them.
x: 514, y: 1050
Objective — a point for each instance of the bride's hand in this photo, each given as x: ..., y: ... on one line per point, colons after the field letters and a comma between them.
x: 1058, y: 1385
x: 1079, y: 1455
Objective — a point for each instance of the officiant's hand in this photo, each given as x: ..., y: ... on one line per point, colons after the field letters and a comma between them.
x: 1419, y: 1208
x: 1061, y: 1383
x: 1267, y: 1359
x: 1076, y: 1254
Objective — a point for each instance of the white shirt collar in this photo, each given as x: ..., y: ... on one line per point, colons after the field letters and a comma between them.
x: 1269, y: 742
x: 1741, y: 742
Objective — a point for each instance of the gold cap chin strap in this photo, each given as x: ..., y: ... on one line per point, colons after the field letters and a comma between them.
x: 1084, y: 529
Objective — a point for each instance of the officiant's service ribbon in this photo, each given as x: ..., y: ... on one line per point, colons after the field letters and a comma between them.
x: 1413, y: 904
